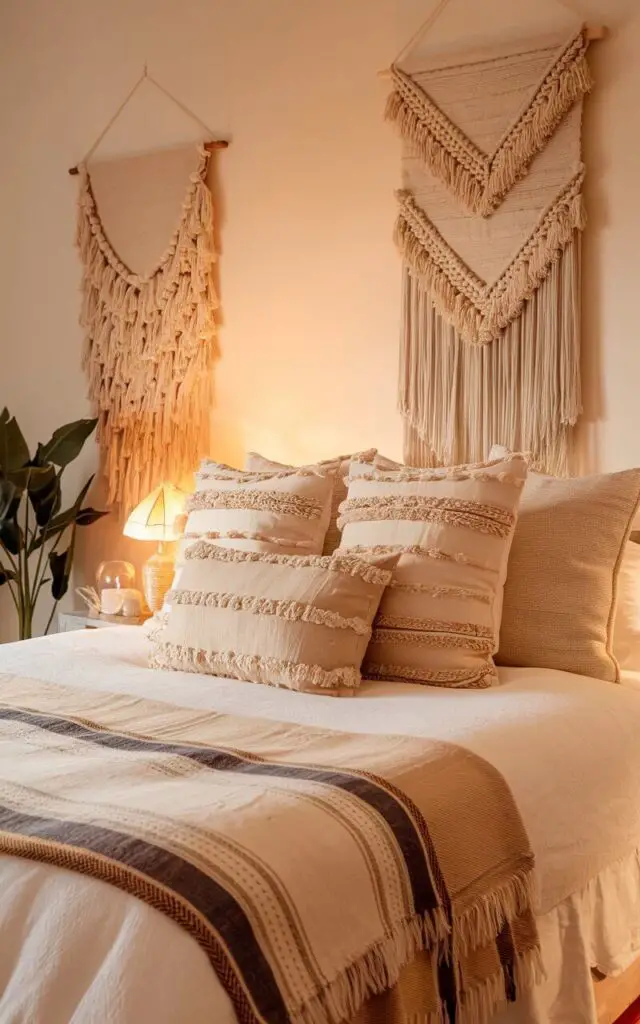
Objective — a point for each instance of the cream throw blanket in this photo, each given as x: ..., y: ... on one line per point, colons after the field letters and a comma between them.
x: 313, y: 867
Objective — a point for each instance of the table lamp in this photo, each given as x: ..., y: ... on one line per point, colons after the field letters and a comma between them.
x: 155, y: 519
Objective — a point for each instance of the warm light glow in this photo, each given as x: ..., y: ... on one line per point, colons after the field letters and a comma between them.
x: 155, y: 517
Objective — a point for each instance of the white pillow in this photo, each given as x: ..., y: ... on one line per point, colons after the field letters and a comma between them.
x: 626, y: 632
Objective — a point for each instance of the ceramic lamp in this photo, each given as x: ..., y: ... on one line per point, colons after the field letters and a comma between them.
x: 155, y: 519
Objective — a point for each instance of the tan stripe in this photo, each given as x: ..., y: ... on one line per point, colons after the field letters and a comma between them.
x: 293, y: 611
x: 423, y: 476
x: 488, y: 519
x: 415, y: 549
x: 465, y: 593
x: 263, y: 538
x: 455, y: 677
x: 253, y: 668
x: 260, y: 501
x: 443, y: 641
x: 340, y: 561
x: 434, y: 625
x: 249, y: 476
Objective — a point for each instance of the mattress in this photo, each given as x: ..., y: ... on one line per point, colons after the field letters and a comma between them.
x: 74, y: 949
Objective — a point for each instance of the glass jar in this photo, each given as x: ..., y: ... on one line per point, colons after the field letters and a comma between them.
x: 110, y: 578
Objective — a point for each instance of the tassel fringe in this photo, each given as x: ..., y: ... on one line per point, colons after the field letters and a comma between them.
x: 478, y: 181
x: 150, y: 347
x: 459, y: 399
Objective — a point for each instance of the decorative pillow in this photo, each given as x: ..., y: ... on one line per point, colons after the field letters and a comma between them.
x: 338, y: 467
x: 303, y: 622
x: 438, y: 621
x: 286, y: 512
x: 626, y: 631
x: 560, y: 595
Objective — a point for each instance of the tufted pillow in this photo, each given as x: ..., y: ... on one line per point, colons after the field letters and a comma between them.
x: 438, y: 620
x: 300, y: 621
x: 338, y: 467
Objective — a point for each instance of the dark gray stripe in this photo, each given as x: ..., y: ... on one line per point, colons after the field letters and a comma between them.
x: 212, y: 900
x: 425, y: 897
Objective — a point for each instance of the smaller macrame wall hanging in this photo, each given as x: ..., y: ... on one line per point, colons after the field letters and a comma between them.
x: 489, y: 227
x: 150, y: 338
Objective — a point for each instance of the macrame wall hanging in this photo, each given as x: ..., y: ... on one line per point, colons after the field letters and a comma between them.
x: 489, y: 227
x: 150, y: 339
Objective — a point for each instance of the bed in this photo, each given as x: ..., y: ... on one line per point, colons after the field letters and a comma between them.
x: 76, y: 949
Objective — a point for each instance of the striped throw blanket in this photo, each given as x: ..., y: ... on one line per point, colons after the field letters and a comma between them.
x: 328, y: 876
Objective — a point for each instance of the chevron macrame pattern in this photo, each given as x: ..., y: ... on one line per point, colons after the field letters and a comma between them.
x: 490, y: 238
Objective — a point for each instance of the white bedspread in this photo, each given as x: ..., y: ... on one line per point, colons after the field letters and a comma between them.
x: 74, y: 949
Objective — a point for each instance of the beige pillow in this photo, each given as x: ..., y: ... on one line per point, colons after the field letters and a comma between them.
x: 560, y: 595
x: 338, y: 467
x: 286, y: 511
x: 626, y: 633
x: 302, y: 622
x: 438, y: 620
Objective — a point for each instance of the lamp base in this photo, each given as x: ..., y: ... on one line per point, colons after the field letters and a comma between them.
x: 157, y: 577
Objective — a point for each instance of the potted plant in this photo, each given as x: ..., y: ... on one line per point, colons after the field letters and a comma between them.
x: 37, y: 539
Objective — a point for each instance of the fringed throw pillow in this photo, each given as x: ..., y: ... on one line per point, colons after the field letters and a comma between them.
x: 439, y: 618
x: 284, y: 511
x: 338, y: 467
x: 299, y: 621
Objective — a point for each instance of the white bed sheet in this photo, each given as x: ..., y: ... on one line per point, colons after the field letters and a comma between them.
x: 74, y: 949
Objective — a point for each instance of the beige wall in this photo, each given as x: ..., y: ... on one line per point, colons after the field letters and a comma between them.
x: 309, y: 276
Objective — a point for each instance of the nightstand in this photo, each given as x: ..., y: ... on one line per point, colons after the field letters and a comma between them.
x: 68, y: 621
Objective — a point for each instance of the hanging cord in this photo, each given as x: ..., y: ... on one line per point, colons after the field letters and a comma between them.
x: 593, y: 32
x: 214, y: 144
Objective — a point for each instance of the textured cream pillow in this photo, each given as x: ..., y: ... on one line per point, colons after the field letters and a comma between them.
x: 560, y: 595
x: 282, y: 511
x: 302, y: 622
x: 338, y: 467
x: 438, y: 620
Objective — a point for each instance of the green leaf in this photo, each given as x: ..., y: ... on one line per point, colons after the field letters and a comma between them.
x: 11, y: 537
x: 6, y: 575
x: 87, y: 516
x: 45, y: 494
x: 60, y: 564
x: 14, y: 450
x: 7, y: 494
x: 66, y: 443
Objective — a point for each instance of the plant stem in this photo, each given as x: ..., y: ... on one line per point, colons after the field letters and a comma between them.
x: 26, y: 583
x: 53, y: 611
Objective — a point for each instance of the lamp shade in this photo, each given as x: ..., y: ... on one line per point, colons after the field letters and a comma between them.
x: 155, y: 517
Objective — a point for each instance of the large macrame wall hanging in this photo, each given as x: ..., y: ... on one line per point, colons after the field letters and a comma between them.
x: 489, y: 228
x: 150, y: 341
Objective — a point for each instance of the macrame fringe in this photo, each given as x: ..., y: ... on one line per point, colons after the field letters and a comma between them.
x: 341, y: 561
x: 478, y: 181
x: 292, y: 611
x: 479, y: 312
x: 453, y: 678
x: 252, y: 668
x: 150, y: 347
x: 521, y: 390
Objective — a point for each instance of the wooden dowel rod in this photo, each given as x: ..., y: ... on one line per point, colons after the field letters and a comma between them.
x: 594, y: 33
x: 210, y: 146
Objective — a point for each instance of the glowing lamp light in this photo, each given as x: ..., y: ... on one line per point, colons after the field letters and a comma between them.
x: 157, y: 518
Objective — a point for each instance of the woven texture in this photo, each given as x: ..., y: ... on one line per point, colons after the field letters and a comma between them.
x: 150, y: 346
x: 561, y: 591
x: 439, y: 619
x: 338, y: 467
x: 489, y: 224
x: 298, y: 621
x: 311, y: 866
